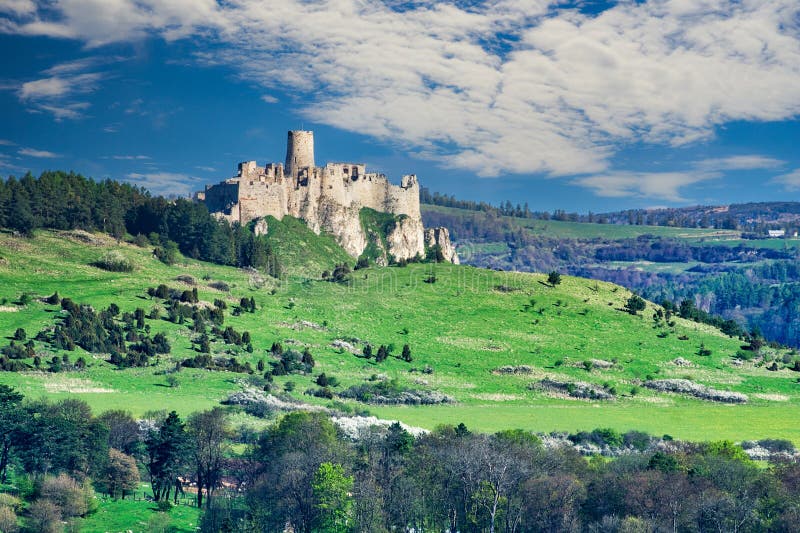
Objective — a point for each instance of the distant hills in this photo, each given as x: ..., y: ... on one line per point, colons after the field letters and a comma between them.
x: 740, y: 275
x: 755, y: 218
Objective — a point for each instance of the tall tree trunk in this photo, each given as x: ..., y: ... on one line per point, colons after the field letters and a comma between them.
x: 200, y: 483
x: 4, y: 460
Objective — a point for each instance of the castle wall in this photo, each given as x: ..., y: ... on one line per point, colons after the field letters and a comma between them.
x: 221, y: 197
x: 327, y: 198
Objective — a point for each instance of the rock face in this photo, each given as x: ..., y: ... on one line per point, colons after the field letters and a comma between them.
x: 327, y: 198
x: 441, y: 237
x: 406, y: 239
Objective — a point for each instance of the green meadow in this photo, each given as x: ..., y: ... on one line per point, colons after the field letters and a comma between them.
x: 461, y: 323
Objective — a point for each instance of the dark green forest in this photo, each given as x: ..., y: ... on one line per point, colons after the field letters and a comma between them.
x: 304, y: 471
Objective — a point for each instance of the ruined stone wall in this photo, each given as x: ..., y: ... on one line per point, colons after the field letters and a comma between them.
x: 221, y: 197
x: 327, y: 198
x: 405, y: 199
x: 260, y: 197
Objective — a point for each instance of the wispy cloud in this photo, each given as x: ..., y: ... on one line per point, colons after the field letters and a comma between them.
x: 498, y: 87
x: 32, y: 152
x: 206, y: 169
x: 790, y: 181
x: 127, y: 157
x: 6, y: 164
x: 5, y: 142
x: 166, y: 183
x: 740, y: 162
x: 651, y: 185
x: 60, y: 93
x: 269, y: 99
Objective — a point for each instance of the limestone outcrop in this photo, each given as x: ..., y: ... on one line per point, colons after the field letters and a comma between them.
x: 329, y: 199
x: 440, y: 237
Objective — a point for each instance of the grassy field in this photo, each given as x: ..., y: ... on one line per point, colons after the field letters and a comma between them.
x: 119, y: 516
x: 462, y: 327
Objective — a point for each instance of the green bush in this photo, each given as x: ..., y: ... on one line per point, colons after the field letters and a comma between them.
x: 114, y: 261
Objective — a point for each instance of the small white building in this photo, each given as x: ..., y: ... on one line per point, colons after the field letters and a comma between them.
x: 776, y: 233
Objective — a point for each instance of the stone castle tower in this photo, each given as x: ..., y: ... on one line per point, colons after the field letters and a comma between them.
x: 299, y: 151
x: 327, y: 198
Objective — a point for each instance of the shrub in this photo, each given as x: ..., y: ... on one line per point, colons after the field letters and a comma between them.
x: 114, y: 261
x: 220, y: 286
x: 53, y: 299
x: 635, y: 304
x: 11, y: 501
x: 71, y: 498
x: 168, y: 253
x: 44, y: 517
x: 607, y: 436
x: 141, y: 241
x: 554, y: 278
x: 703, y: 351
x: 777, y: 445
x: 8, y: 520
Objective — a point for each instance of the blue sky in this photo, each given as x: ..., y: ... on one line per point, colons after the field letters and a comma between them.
x: 578, y: 106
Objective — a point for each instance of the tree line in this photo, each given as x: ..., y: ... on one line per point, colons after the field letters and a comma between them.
x: 753, y: 219
x: 67, y: 201
x: 304, y: 472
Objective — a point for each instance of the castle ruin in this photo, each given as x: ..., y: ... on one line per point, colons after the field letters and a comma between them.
x: 327, y: 198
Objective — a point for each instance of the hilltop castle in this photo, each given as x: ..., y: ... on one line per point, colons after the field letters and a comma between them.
x: 327, y: 198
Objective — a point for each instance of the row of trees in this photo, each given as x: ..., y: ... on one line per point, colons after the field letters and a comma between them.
x: 304, y: 472
x: 41, y: 440
x: 755, y: 218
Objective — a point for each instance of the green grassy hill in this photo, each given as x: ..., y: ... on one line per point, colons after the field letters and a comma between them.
x: 301, y: 250
x: 461, y: 329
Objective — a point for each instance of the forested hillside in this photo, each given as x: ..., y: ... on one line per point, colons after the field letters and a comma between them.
x: 750, y: 281
x: 59, y: 200
x: 161, y: 374
x: 752, y: 218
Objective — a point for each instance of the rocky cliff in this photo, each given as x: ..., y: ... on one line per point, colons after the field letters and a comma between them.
x: 438, y: 239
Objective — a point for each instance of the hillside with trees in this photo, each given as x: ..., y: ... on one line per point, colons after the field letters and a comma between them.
x: 750, y: 281
x: 142, y: 387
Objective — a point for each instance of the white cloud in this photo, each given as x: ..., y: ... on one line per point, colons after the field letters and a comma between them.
x: 32, y: 152
x: 57, y: 93
x: 268, y: 98
x: 128, y: 157
x: 790, y: 181
x: 656, y: 185
x: 18, y: 7
x: 166, y: 183
x: 5, y: 142
x: 504, y: 86
x: 740, y: 162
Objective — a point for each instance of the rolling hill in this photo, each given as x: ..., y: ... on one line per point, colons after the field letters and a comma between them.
x: 495, y: 349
